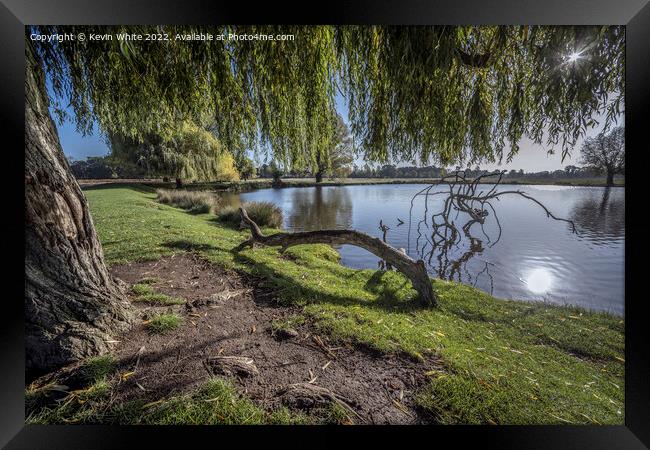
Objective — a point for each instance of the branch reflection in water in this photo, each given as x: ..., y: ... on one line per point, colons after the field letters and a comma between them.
x: 453, y: 208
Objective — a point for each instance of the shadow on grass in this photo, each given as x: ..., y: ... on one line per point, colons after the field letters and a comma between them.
x: 225, y: 221
x: 386, y: 299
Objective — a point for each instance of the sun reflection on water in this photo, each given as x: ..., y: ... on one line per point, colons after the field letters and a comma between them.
x: 539, y: 280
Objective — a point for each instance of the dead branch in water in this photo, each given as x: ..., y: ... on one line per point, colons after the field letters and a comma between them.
x: 415, y: 271
x: 462, y: 198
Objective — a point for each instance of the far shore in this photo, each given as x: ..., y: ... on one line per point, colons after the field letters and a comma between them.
x: 263, y: 183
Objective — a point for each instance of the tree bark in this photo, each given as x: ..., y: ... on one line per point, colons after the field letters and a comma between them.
x: 415, y: 271
x: 72, y: 304
x: 610, y: 178
x: 319, y: 168
x: 179, y: 183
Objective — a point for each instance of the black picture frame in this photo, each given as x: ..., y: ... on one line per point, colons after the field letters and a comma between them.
x: 15, y: 14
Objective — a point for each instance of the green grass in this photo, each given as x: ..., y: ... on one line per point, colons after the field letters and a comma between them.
x: 142, y: 289
x: 164, y: 323
x: 81, y: 406
x: 506, y: 362
x: 215, y: 403
x: 159, y: 299
x: 287, y: 323
x: 146, y: 294
x: 98, y: 368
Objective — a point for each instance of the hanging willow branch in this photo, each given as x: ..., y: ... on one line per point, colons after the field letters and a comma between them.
x: 427, y: 93
x: 415, y: 271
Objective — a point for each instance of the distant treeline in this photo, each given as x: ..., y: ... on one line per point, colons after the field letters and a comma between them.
x: 392, y: 171
x: 103, y: 167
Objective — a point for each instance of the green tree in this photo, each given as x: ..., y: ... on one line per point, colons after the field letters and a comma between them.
x: 443, y: 93
x: 245, y: 167
x: 190, y: 153
x: 606, y: 153
x: 276, y: 172
x: 337, y: 160
x: 93, y: 167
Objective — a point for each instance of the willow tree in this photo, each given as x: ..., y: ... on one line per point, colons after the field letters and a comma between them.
x: 191, y: 153
x: 445, y: 93
x: 337, y: 159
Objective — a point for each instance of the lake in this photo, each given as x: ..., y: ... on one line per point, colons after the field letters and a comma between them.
x: 535, y: 258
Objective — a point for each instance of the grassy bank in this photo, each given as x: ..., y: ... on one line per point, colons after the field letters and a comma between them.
x: 506, y: 362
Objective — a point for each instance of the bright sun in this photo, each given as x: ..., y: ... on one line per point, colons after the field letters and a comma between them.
x: 573, y: 57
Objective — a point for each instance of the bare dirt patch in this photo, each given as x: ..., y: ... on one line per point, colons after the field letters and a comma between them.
x: 228, y: 315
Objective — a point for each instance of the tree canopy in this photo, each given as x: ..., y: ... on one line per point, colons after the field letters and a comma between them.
x: 430, y: 93
x: 191, y: 153
x: 335, y: 160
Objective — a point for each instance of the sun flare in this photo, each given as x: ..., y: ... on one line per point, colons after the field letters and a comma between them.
x: 573, y: 57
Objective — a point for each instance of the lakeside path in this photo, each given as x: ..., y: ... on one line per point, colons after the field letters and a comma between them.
x: 263, y: 183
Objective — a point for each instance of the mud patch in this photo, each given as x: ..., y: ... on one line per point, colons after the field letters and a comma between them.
x: 229, y: 314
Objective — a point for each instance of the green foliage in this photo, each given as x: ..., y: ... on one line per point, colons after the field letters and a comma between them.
x: 337, y: 160
x: 164, y: 323
x: 276, y: 172
x: 103, y: 167
x: 196, y: 202
x: 416, y: 92
x: 190, y: 153
x: 245, y: 167
x: 264, y: 214
x: 457, y: 92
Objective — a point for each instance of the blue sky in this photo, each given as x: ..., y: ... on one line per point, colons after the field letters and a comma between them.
x: 531, y: 157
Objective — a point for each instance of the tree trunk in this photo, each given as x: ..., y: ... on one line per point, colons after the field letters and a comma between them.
x: 179, y: 183
x: 319, y: 177
x: 72, y: 304
x: 610, y: 178
x: 415, y: 271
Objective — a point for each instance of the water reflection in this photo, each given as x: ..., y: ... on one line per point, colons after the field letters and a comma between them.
x: 601, y: 216
x: 539, y: 281
x: 319, y: 208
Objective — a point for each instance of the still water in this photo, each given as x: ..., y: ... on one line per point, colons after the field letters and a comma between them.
x: 535, y: 258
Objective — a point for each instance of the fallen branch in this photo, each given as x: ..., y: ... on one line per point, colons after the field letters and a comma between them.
x: 415, y: 271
